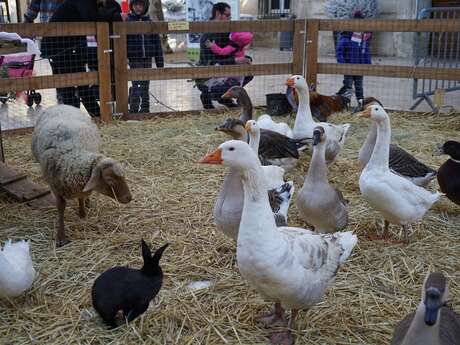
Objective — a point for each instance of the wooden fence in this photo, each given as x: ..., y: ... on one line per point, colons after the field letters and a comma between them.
x: 304, y: 61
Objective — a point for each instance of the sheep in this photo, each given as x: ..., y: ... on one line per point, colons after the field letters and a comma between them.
x: 67, y: 143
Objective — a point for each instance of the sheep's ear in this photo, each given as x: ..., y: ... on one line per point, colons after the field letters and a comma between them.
x: 94, y: 180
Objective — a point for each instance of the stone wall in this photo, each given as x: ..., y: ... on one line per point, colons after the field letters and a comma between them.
x: 398, y: 44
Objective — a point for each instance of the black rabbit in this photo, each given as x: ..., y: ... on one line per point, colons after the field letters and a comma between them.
x: 128, y: 289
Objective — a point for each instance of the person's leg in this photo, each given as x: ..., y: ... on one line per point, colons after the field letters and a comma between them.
x: 205, y: 96
x: 144, y: 89
x: 348, y: 81
x: 134, y: 91
x: 359, y: 91
x: 65, y: 95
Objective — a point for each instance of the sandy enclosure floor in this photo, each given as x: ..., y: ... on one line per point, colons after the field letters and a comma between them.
x: 173, y: 200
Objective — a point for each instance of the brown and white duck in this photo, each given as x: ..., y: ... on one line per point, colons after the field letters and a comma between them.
x: 274, y: 148
x: 433, y: 323
x: 401, y: 162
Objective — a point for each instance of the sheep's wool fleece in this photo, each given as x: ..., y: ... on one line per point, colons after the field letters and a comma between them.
x: 66, y: 143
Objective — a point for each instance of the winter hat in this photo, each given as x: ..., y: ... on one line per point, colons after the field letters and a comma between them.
x: 241, y: 38
x: 144, y: 2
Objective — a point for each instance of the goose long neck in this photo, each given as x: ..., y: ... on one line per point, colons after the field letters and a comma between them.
x: 318, y: 168
x: 421, y: 334
x: 246, y: 113
x: 254, y: 141
x: 257, y: 215
x: 381, y: 153
x: 365, y: 152
x: 303, y: 117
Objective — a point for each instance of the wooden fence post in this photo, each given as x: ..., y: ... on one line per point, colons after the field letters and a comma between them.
x: 298, y: 46
x: 311, y: 60
x: 103, y: 62
x: 121, y: 68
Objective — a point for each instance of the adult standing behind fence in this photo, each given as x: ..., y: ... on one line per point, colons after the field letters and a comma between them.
x: 220, y: 11
x: 141, y: 49
x: 46, y: 8
x: 353, y: 47
x: 69, y: 54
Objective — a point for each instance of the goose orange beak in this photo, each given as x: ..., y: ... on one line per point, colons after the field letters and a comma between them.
x: 228, y: 95
x: 365, y: 113
x: 290, y: 83
x: 212, y: 158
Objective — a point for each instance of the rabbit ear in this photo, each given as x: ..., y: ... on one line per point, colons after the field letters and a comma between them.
x: 157, y: 256
x: 146, y: 253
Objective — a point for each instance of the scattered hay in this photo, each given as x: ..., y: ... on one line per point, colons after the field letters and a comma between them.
x: 174, y: 196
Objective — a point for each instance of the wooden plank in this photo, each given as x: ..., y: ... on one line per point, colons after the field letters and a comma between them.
x: 24, y: 190
x: 211, y: 26
x: 207, y: 71
x: 45, y: 201
x: 103, y: 63
x: 390, y: 71
x: 298, y: 46
x: 121, y: 68
x: 8, y: 175
x: 50, y: 29
x: 311, y: 59
x: 393, y: 25
x: 48, y: 81
x: 18, y: 131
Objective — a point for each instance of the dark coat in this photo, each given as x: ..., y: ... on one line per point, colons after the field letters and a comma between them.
x: 144, y: 45
x: 207, y: 57
x: 75, y: 47
x: 349, y: 51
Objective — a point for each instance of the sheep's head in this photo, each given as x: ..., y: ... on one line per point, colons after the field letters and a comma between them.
x: 107, y: 178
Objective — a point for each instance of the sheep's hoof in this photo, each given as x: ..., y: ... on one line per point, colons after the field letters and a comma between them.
x: 61, y: 243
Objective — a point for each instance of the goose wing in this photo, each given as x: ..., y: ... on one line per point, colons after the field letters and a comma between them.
x: 405, y: 164
x: 275, y: 145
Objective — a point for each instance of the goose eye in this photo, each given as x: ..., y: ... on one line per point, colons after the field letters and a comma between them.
x: 231, y: 149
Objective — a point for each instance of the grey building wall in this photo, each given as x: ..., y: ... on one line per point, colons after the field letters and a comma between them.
x: 384, y: 44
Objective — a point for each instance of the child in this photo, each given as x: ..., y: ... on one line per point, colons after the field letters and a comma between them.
x: 141, y: 49
x: 353, y: 47
x: 238, y: 42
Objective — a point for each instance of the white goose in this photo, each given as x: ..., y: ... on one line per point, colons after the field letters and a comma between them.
x: 292, y: 267
x: 304, y: 123
x: 266, y: 122
x: 229, y: 203
x: 400, y: 161
x: 17, y: 272
x: 396, y: 198
x: 319, y: 204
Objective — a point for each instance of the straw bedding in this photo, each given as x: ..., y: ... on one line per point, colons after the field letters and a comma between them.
x: 173, y: 200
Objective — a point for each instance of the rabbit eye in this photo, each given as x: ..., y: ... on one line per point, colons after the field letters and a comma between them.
x: 231, y: 149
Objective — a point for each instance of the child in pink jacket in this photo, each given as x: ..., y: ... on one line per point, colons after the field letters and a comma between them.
x: 238, y: 42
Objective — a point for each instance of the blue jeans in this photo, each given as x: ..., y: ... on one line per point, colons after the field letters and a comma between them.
x: 358, y: 80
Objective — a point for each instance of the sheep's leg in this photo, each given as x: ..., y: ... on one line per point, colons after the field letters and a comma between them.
x: 82, y: 207
x: 60, y: 234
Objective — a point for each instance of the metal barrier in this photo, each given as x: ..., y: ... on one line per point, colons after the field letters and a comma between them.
x: 436, y: 50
